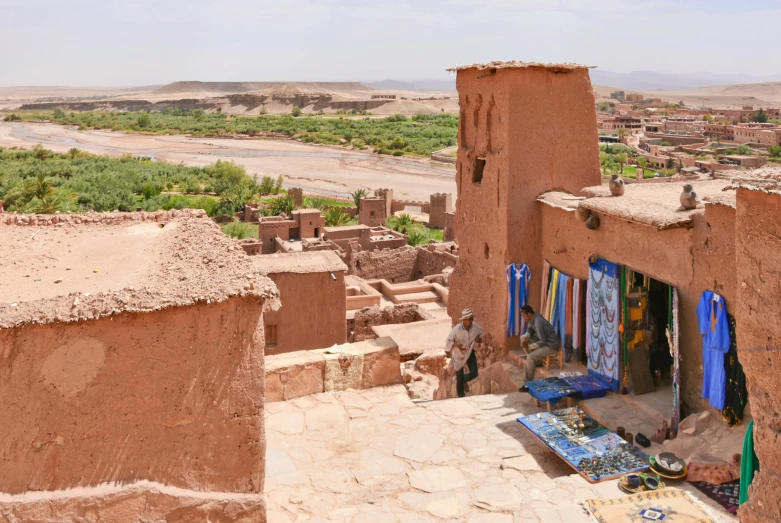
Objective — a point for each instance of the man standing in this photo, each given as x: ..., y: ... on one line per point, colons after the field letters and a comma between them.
x: 461, y: 348
x: 540, y: 338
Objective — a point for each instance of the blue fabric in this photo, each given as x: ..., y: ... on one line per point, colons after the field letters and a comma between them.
x: 559, y: 319
x: 518, y: 276
x: 714, y: 327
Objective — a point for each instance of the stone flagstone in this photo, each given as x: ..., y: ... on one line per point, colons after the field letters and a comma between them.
x: 437, y: 479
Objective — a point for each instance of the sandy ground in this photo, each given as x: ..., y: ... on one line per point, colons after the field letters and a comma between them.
x: 320, y: 170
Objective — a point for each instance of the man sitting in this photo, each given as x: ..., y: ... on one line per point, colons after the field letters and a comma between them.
x: 540, y: 338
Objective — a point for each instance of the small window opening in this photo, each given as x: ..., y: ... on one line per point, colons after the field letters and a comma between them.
x: 486, y: 251
x: 477, y: 175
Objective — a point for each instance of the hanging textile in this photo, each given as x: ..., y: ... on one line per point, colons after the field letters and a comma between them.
x: 518, y: 276
x: 749, y: 464
x: 737, y: 393
x: 559, y: 307
x: 602, y: 340
x: 674, y: 342
x: 714, y: 327
x: 546, y: 270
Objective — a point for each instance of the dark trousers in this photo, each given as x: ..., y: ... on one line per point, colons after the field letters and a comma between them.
x: 465, y: 377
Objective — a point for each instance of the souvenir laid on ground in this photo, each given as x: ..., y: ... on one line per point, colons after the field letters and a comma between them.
x: 549, y: 389
x: 587, y: 386
x: 625, y: 486
x: 665, y: 473
x: 591, y: 449
x: 726, y: 495
x: 661, y: 505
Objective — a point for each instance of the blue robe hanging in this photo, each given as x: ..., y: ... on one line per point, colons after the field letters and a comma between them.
x: 518, y: 276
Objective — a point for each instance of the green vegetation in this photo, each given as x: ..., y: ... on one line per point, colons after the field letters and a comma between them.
x: 665, y: 143
x: 614, y: 157
x: 759, y: 117
x: 774, y: 151
x: 240, y: 230
x: 41, y: 181
x: 745, y: 149
x: 417, y: 233
x: 357, y: 194
x: 399, y: 135
x: 335, y: 217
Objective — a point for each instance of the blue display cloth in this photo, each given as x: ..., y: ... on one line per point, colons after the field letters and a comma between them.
x: 550, y: 389
x: 587, y: 386
x: 591, y: 449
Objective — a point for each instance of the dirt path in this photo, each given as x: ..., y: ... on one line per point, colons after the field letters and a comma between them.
x: 321, y: 170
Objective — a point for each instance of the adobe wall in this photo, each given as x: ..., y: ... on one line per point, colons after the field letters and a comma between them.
x: 369, y: 317
x: 441, y: 204
x: 694, y: 260
x: 372, y: 212
x: 537, y: 131
x: 174, y: 397
x: 432, y: 261
x: 313, y: 313
x: 758, y: 229
x: 268, y: 230
x: 396, y: 265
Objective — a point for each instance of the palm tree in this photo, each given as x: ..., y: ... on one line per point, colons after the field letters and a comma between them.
x: 402, y: 223
x: 621, y: 159
x: 315, y: 202
x: 357, y: 194
x: 622, y: 133
x: 417, y: 236
x: 284, y: 204
x: 334, y: 217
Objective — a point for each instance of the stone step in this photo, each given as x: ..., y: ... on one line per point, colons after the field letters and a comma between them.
x: 418, y: 297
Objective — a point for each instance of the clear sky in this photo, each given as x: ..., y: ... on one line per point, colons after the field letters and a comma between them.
x: 141, y: 42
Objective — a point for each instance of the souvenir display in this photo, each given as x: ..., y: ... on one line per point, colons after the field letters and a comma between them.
x: 549, y: 389
x: 591, y: 449
x: 587, y: 386
x: 635, y: 483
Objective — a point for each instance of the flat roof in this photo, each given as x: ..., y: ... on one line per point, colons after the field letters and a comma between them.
x: 299, y: 262
x: 522, y: 65
x: 651, y: 203
x: 78, y: 271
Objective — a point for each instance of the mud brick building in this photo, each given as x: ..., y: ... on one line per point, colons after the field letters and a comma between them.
x: 528, y: 152
x: 131, y: 364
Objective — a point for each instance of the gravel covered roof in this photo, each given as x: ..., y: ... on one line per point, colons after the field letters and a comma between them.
x: 654, y: 204
x: 565, y: 67
x: 299, y: 262
x: 67, y: 271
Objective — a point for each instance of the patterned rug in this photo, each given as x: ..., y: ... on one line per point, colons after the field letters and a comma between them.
x: 726, y: 494
x: 668, y: 505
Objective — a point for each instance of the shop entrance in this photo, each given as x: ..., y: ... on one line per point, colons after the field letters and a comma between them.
x: 649, y: 362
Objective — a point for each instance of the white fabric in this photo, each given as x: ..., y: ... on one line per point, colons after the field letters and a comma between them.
x: 464, y: 338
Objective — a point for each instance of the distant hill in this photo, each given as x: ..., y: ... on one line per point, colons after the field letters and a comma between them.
x: 650, y: 80
x: 415, y: 85
x: 246, y: 87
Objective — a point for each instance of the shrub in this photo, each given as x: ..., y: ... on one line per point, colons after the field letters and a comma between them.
x: 665, y: 143
x: 335, y: 217
x: 284, y: 204
x: 398, y: 153
x: 775, y: 151
x: 238, y: 230
x: 296, y: 111
x: 143, y: 121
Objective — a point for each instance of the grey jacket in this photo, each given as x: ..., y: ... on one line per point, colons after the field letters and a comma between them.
x: 541, y: 331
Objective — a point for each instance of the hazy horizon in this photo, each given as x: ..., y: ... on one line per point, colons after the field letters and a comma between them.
x: 140, y: 42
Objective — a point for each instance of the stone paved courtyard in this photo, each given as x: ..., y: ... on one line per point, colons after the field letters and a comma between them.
x: 375, y: 456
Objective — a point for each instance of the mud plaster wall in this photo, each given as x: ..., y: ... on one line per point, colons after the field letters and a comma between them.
x: 313, y: 313
x: 693, y: 260
x: 758, y: 229
x: 393, y: 265
x: 369, y: 317
x: 174, y: 396
x: 431, y: 262
x: 537, y: 131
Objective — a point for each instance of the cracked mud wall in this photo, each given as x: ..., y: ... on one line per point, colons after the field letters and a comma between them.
x: 174, y: 397
x: 536, y: 130
x: 758, y: 249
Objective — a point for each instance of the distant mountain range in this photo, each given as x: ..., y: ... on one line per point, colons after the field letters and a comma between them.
x: 634, y: 81
x: 650, y: 80
x: 415, y: 85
